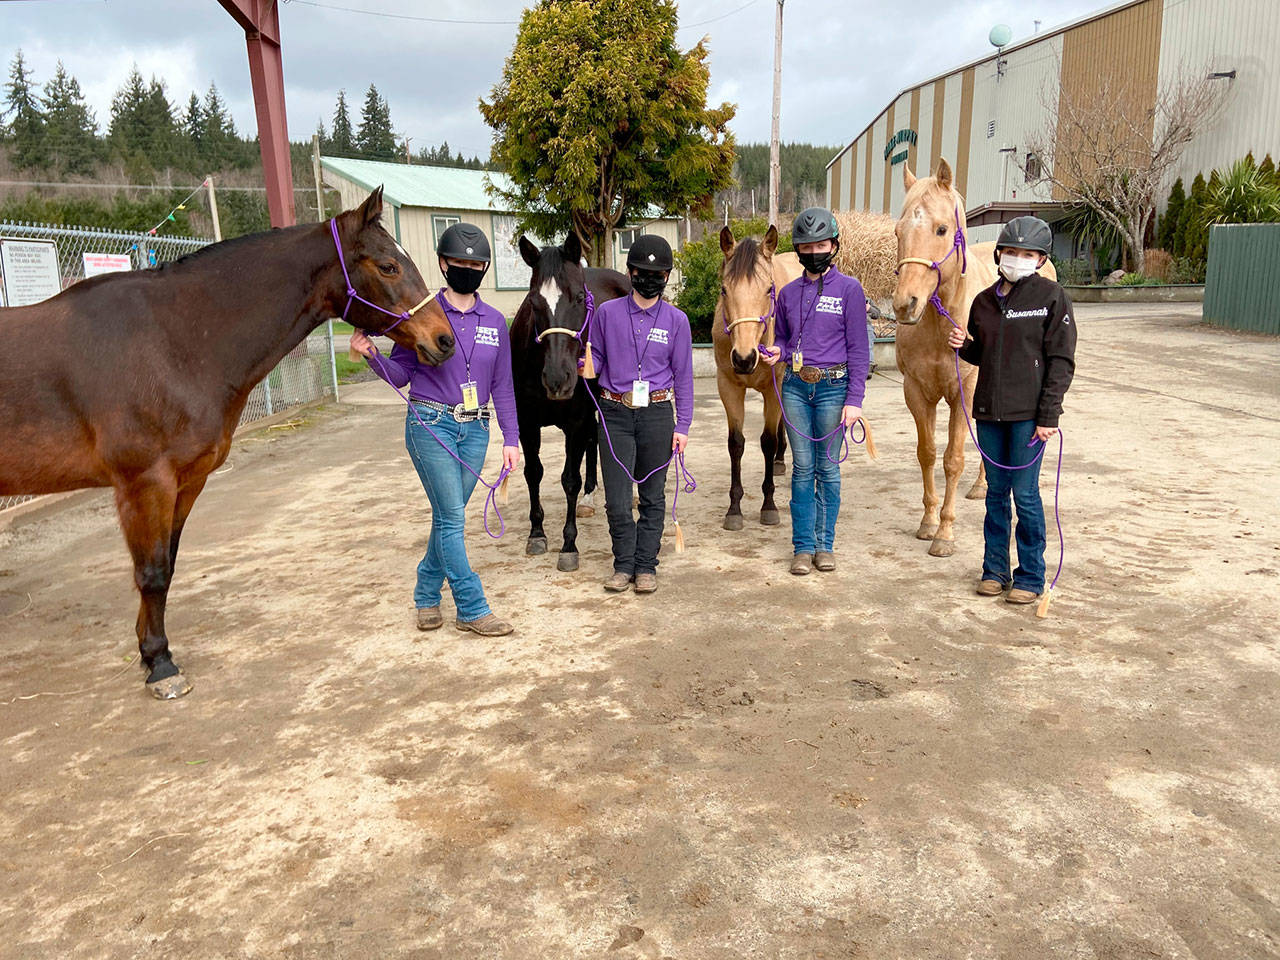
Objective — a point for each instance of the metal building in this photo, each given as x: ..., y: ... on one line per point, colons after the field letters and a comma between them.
x: 982, y: 115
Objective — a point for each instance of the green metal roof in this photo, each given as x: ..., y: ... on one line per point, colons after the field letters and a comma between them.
x: 405, y: 185
x: 418, y: 185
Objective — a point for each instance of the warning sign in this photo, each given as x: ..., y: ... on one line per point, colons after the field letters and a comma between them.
x: 96, y: 264
x: 28, y: 271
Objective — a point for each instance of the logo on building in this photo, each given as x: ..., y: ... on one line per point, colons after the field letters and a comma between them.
x: 898, y: 139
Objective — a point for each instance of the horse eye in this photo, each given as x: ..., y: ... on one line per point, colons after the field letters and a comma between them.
x: 942, y: 231
x: 389, y: 269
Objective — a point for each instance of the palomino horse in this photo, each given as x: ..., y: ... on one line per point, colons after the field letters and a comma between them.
x: 934, y: 256
x: 750, y: 280
x: 140, y: 377
x: 546, y: 342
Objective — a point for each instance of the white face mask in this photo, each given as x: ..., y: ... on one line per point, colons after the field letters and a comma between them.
x: 1015, y: 268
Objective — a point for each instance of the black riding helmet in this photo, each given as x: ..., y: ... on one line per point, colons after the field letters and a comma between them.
x: 1025, y: 233
x: 464, y: 241
x: 650, y: 252
x: 814, y: 225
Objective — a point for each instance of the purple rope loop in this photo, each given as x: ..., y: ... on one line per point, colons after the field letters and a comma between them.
x: 846, y: 437
x: 936, y: 302
x: 490, y: 499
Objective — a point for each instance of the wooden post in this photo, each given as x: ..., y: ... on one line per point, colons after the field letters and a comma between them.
x: 213, y: 208
x: 775, y: 167
x: 315, y: 170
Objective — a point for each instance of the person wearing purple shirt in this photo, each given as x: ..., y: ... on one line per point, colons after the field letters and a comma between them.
x: 453, y: 400
x: 820, y: 333
x: 642, y: 351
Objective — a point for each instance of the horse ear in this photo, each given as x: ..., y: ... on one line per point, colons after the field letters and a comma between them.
x: 371, y: 209
x: 572, y: 248
x: 770, y: 242
x: 726, y: 240
x: 529, y: 251
x: 943, y: 175
x: 908, y: 178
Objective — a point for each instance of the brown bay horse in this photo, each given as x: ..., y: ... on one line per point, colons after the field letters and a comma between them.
x: 137, y: 380
x: 751, y: 278
x: 931, y: 231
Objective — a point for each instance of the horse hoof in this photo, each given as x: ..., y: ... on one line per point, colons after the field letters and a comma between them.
x: 770, y: 518
x: 733, y: 521
x: 536, y: 547
x: 926, y: 531
x: 977, y: 492
x: 584, y: 510
x: 567, y: 562
x: 942, y: 548
x: 170, y: 688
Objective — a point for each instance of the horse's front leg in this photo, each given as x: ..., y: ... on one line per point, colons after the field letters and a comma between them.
x: 531, y: 442
x: 587, y: 505
x: 733, y: 396
x: 571, y: 481
x: 924, y: 412
x: 770, y: 441
x: 146, y: 505
x: 944, y: 543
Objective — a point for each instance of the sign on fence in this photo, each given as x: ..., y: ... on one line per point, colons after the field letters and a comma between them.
x: 96, y: 264
x: 28, y: 271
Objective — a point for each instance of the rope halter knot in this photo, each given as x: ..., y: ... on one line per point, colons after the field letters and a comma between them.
x: 352, y: 295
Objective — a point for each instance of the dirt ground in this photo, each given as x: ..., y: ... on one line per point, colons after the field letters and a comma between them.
x: 868, y: 764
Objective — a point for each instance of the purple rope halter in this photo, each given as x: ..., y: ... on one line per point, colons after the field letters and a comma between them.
x: 351, y: 291
x: 590, y: 302
x: 935, y: 300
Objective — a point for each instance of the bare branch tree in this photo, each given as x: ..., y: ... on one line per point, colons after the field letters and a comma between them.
x: 1112, y: 149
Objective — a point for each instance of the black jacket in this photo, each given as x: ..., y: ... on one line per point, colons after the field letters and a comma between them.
x: 1024, y: 351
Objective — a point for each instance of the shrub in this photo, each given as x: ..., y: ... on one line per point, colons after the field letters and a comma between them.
x: 1136, y: 280
x: 1186, y: 270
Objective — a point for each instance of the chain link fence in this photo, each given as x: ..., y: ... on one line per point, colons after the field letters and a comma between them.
x: 308, y: 373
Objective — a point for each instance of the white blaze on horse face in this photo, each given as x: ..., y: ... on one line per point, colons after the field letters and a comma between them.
x: 550, y: 291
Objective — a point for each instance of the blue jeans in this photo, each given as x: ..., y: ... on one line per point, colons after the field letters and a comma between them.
x: 448, y: 485
x: 814, y: 409
x: 1006, y: 442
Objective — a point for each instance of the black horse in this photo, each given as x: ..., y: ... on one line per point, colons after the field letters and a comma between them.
x: 549, y: 392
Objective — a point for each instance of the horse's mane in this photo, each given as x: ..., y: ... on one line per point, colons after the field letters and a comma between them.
x: 225, y: 247
x: 742, y: 263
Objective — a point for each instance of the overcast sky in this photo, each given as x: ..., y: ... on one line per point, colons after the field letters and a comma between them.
x: 842, y: 61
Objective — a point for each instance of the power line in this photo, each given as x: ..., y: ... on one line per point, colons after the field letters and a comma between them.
x: 135, y: 186
x: 401, y: 16
x: 722, y: 16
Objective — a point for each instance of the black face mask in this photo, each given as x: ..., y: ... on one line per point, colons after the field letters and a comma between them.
x: 816, y: 262
x: 463, y: 280
x: 648, y: 283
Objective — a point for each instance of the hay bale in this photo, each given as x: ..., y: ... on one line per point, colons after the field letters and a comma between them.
x: 869, y: 251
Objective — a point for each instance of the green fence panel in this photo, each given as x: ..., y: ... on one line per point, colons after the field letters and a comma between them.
x: 1242, y: 287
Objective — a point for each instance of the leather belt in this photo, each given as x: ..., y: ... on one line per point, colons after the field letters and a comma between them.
x: 456, y: 411
x: 655, y: 396
x: 813, y: 374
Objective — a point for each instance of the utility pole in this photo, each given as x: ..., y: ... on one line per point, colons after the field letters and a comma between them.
x: 775, y: 167
x: 315, y: 170
x: 407, y: 158
x: 213, y: 208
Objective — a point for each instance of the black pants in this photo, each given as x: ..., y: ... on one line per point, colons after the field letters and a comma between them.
x: 642, y: 441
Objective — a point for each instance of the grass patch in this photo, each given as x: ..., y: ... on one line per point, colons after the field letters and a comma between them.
x: 350, y: 371
x: 342, y: 328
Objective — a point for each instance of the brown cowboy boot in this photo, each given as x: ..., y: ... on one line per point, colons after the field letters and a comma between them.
x: 487, y: 626
x: 429, y: 618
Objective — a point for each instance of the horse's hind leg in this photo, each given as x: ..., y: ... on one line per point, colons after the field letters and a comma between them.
x: 733, y: 396
x: 571, y: 481
x: 148, y: 509
x: 769, y: 445
x: 587, y: 505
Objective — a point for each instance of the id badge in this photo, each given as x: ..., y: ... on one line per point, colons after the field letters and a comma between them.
x: 797, y: 361
x: 639, y: 393
x: 470, y: 396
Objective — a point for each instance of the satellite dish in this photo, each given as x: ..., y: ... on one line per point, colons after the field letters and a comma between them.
x: 1000, y: 35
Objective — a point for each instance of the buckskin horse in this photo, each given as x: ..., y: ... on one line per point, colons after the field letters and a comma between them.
x: 547, y: 340
x: 935, y: 258
x: 751, y: 277
x: 140, y: 378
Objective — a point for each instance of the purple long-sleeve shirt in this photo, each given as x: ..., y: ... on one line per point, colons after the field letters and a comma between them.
x: 629, y: 343
x: 831, y: 331
x: 482, y: 340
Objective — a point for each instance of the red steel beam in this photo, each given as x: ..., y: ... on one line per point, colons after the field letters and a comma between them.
x: 261, y: 22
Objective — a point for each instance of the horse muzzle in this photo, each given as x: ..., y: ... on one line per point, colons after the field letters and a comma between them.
x: 744, y: 365
x: 908, y: 312
x: 443, y: 351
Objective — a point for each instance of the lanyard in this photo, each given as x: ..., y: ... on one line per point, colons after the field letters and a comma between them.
x: 458, y: 341
x: 805, y: 317
x: 633, y: 308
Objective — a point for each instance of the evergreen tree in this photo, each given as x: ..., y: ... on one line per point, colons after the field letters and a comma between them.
x: 1193, y: 240
x: 219, y: 141
x: 162, y: 131
x: 70, y: 124
x: 25, y: 122
x: 375, y: 139
x: 127, y: 129
x: 1169, y: 222
x: 193, y: 123
x: 341, y: 140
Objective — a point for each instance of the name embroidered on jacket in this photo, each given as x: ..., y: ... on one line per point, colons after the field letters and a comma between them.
x: 1018, y: 314
x: 658, y: 335
x: 830, y: 305
x: 486, y: 336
